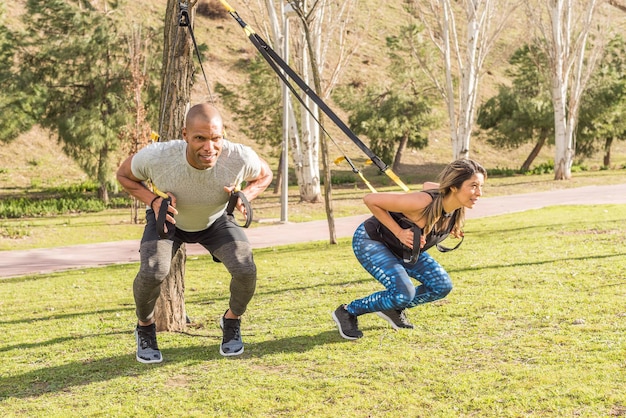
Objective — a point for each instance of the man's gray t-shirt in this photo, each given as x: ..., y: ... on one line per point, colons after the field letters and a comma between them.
x: 200, y: 195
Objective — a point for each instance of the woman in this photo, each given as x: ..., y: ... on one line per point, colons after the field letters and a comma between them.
x: 392, y: 244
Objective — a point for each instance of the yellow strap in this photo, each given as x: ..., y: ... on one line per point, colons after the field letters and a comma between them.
x: 227, y: 6
x: 158, y: 192
x: 367, y: 183
x: 396, y: 179
x: 155, y: 138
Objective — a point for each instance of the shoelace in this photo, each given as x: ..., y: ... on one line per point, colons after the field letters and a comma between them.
x: 147, y: 341
x: 403, y: 317
x: 231, y: 332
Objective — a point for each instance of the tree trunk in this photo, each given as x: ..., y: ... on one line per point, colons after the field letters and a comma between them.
x: 312, y: 36
x: 607, y: 152
x: 103, y: 171
x: 169, y: 311
x: 463, y: 42
x: 176, y: 82
x: 399, y: 152
x: 533, y: 154
x: 571, y: 61
x: 279, y: 180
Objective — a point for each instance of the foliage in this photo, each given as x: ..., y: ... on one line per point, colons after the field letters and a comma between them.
x: 20, y: 207
x: 523, y: 111
x: 257, y: 104
x: 502, y: 171
x: 78, y: 198
x: 525, y: 332
x: 387, y: 118
x: 396, y: 116
x: 16, y: 114
x: 74, y: 70
x: 603, y: 107
x: 212, y: 9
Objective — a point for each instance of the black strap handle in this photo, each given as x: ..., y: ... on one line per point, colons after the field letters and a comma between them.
x: 160, y: 220
x: 232, y: 204
x: 446, y: 249
x: 415, y: 252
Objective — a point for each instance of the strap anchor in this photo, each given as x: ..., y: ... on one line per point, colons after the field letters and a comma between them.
x: 183, y: 17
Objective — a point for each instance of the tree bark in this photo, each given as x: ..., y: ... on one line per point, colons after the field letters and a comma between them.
x: 312, y: 36
x: 399, y: 152
x: 169, y: 311
x: 176, y: 82
x: 572, y: 42
x: 607, y: 152
x: 536, y: 149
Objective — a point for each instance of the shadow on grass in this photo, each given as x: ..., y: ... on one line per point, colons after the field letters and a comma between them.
x: 190, y: 299
x: 75, y: 374
x: 537, y: 263
x: 57, y: 316
x: 59, y: 340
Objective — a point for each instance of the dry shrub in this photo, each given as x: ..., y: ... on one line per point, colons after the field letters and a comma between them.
x: 212, y: 9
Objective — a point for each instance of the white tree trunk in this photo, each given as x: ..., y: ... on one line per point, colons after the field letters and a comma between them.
x: 304, y: 146
x: 310, y: 189
x: 328, y: 21
x: 571, y: 62
x: 462, y: 60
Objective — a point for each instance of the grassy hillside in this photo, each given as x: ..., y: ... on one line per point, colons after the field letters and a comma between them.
x: 35, y: 159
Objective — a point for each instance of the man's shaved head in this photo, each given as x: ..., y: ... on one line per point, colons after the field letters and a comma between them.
x: 204, y: 113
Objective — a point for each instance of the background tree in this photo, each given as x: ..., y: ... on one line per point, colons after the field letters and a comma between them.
x: 603, y: 107
x: 258, y: 116
x: 564, y: 28
x: 463, y: 33
x: 257, y: 104
x: 73, y: 68
x: 139, y: 132
x: 394, y: 120
x: 321, y: 28
x: 16, y: 108
x: 522, y: 112
x: 396, y: 117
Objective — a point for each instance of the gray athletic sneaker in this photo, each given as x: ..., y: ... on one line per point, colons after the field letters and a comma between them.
x: 397, y: 318
x: 147, y: 348
x: 232, y: 345
x: 347, y: 323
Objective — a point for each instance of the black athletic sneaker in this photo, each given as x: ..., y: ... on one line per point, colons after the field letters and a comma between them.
x: 397, y: 318
x: 232, y: 345
x: 147, y: 348
x: 347, y: 323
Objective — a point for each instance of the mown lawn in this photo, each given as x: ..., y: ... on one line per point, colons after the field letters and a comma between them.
x: 534, y: 327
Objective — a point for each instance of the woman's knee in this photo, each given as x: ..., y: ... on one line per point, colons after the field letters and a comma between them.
x: 402, y: 296
x: 443, y: 288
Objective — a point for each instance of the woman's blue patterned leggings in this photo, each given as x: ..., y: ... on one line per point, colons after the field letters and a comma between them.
x: 396, y: 276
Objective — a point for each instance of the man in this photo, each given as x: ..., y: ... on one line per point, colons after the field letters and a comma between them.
x: 198, y: 173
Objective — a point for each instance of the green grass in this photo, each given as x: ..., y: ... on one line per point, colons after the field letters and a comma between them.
x: 534, y: 327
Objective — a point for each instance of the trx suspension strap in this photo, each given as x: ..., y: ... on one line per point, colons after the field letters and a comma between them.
x: 278, y: 64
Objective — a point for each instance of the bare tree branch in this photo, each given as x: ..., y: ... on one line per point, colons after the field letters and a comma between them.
x: 618, y: 5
